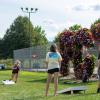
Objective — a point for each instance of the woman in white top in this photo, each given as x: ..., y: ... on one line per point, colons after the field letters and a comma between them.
x: 53, y: 62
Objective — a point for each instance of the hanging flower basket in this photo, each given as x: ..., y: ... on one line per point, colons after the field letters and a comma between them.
x: 71, y: 44
x: 95, y: 29
x: 84, y: 37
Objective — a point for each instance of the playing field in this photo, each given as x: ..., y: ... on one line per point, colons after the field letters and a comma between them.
x: 31, y: 86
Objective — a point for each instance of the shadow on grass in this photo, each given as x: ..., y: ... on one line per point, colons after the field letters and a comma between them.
x: 38, y: 80
x: 1, y: 84
x: 34, y: 98
x: 78, y: 94
x: 85, y: 95
x: 73, y: 83
x: 18, y: 99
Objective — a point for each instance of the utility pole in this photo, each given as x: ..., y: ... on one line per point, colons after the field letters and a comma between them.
x: 29, y: 11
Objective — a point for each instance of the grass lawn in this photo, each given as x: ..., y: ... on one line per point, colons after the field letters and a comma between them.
x: 31, y: 86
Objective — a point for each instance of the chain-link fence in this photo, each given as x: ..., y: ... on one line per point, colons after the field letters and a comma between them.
x: 34, y: 57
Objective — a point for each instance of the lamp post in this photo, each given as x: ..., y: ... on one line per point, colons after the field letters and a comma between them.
x: 29, y: 11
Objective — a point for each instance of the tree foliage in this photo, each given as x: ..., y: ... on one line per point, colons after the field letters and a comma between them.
x: 93, y: 25
x: 18, y: 36
x: 75, y: 28
x: 57, y: 37
x: 39, y: 37
x: 1, y: 45
x: 95, y: 29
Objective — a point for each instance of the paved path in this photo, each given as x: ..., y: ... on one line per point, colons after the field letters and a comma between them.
x: 71, y: 70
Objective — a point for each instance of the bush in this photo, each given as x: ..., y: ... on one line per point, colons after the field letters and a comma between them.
x: 7, y: 62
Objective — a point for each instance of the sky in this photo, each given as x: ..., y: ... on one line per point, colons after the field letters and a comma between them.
x: 52, y: 15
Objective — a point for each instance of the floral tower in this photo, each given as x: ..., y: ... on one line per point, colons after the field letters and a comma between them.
x: 71, y: 44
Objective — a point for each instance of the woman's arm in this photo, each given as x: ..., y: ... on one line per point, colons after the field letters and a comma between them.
x: 59, y: 60
x: 60, y: 63
x: 46, y: 64
x: 47, y: 60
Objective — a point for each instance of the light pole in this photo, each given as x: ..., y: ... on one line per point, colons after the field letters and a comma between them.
x: 29, y: 11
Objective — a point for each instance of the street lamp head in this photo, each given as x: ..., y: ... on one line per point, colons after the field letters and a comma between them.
x: 27, y: 9
x: 31, y: 9
x: 36, y: 9
x: 22, y: 8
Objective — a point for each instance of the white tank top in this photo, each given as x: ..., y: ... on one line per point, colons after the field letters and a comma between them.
x: 53, y: 59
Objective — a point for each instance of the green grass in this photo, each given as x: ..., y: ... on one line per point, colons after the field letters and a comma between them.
x: 31, y: 86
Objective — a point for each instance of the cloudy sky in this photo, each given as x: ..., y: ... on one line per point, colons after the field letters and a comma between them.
x: 53, y: 15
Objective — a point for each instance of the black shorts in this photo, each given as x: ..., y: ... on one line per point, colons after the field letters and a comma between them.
x: 15, y: 72
x: 51, y: 71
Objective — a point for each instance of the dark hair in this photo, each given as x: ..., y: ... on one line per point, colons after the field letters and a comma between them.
x: 53, y: 48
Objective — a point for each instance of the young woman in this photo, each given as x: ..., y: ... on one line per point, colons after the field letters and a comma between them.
x: 53, y: 62
x: 15, y: 71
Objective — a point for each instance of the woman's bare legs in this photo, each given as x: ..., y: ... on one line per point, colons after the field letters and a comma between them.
x: 12, y: 77
x: 55, y: 83
x: 48, y: 82
x: 16, y: 77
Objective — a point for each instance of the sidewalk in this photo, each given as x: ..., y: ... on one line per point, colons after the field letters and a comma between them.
x: 44, y: 70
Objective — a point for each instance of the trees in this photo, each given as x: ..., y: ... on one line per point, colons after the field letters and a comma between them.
x: 39, y: 37
x: 75, y: 28
x: 18, y: 36
x: 95, y: 29
x: 1, y: 45
x: 56, y: 40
